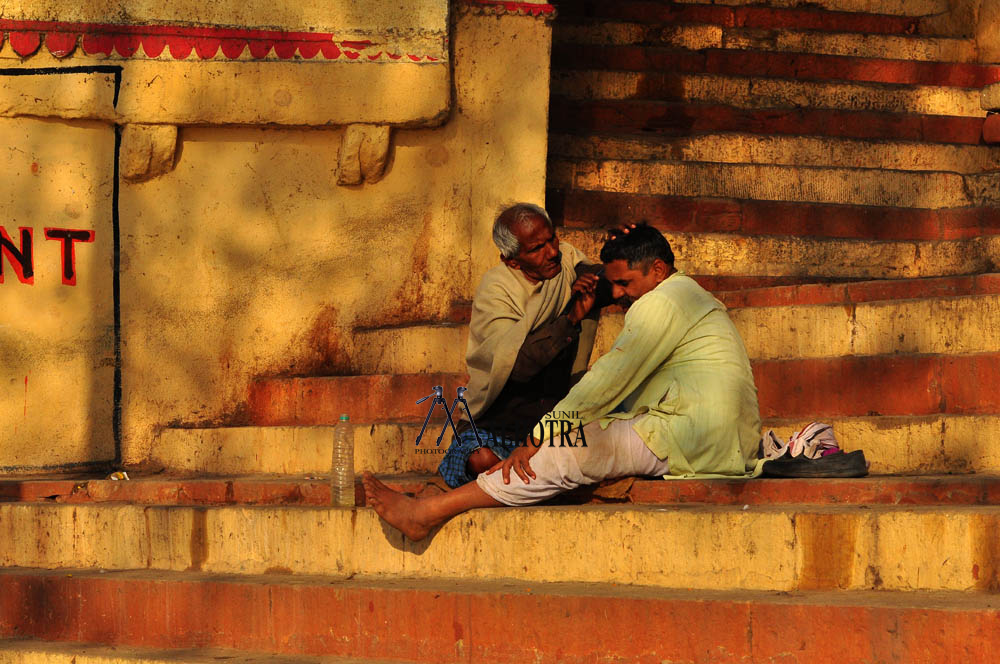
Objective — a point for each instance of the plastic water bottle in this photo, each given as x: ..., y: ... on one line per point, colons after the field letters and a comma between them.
x: 342, y: 468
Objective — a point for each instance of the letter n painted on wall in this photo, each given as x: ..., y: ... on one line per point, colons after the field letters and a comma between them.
x: 57, y: 287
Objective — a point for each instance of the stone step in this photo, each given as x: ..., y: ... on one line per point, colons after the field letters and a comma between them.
x: 864, y: 291
x: 382, y: 447
x: 760, y: 16
x: 796, y: 184
x: 172, y: 489
x: 425, y: 348
x: 411, y: 349
x: 706, y: 36
x: 435, y: 621
x: 816, y: 259
x: 234, y: 450
x: 604, y: 209
x: 679, y: 119
x: 893, y: 444
x: 24, y: 651
x: 956, y: 332
x: 744, y: 148
x: 297, y: 491
x: 956, y: 328
x: 913, y: 445
x: 773, y: 64
x: 879, y: 385
x: 845, y: 386
x: 786, y: 323
x: 721, y: 283
x: 889, y: 7
x: 874, y: 318
x: 725, y: 101
x: 368, y: 399
x: 690, y: 547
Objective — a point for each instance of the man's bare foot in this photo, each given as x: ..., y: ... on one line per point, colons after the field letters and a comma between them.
x: 398, y: 510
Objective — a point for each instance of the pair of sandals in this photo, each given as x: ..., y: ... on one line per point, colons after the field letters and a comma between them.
x: 810, y: 452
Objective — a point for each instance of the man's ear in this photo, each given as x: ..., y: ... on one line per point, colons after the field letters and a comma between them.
x: 660, y: 269
x: 510, y: 262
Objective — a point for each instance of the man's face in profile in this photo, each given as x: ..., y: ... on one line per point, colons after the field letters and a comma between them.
x: 539, y: 258
x: 628, y: 284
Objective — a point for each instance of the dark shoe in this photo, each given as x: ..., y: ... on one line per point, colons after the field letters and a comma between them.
x: 841, y: 464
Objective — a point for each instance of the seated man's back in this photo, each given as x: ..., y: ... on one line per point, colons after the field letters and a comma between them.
x: 691, y: 376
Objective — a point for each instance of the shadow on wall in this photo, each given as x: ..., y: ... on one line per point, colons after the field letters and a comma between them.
x: 57, y: 332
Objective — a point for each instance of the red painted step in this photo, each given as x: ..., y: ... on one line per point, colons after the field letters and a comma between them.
x: 742, y: 17
x: 726, y: 284
x: 604, y: 209
x: 675, y: 118
x: 885, y: 490
x: 459, y: 622
x: 367, y: 399
x: 799, y: 66
x: 879, y: 385
x: 863, y: 291
x: 849, y: 386
x: 947, y: 490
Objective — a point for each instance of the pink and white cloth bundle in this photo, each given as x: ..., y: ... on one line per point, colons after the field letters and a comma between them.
x: 812, y: 442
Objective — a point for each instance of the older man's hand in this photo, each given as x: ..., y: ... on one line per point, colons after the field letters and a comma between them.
x: 621, y: 230
x: 584, y: 294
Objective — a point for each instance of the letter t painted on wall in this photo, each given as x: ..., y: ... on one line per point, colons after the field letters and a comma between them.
x: 69, y: 238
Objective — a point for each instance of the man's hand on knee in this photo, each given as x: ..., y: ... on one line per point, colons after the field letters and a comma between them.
x: 518, y: 460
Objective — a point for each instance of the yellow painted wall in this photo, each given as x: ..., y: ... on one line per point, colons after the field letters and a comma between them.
x: 247, y: 259
x: 56, y: 336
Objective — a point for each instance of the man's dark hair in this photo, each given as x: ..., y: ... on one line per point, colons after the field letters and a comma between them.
x: 639, y: 247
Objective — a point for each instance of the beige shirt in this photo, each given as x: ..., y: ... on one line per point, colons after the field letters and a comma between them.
x: 681, y: 373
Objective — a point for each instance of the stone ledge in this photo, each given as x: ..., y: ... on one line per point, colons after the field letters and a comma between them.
x: 246, y: 93
x: 775, y: 547
x: 298, y: 491
x: 569, y: 622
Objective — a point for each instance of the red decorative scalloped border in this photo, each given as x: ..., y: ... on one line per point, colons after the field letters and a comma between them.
x: 527, y: 8
x: 62, y: 39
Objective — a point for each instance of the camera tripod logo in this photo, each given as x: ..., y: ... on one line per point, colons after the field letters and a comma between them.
x: 438, y: 395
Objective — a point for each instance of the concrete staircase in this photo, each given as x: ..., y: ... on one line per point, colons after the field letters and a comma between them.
x: 808, y: 571
x: 786, y: 143
x: 901, y: 568
x: 818, y: 165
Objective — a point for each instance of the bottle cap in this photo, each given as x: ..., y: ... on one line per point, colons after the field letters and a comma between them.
x: 344, y: 418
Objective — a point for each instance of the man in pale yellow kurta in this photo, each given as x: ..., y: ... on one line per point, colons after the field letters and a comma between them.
x: 674, y: 396
x: 681, y: 374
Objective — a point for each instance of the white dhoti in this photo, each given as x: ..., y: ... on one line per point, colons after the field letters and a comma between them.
x: 617, y: 451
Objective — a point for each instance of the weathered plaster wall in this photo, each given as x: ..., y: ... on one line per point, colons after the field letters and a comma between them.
x: 56, y: 340
x: 245, y: 258
x: 978, y: 19
x: 988, y: 31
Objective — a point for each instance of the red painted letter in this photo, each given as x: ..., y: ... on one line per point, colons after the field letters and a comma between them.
x: 20, y: 259
x: 69, y: 238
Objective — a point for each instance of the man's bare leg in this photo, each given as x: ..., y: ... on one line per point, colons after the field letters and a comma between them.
x: 481, y: 460
x: 415, y: 517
